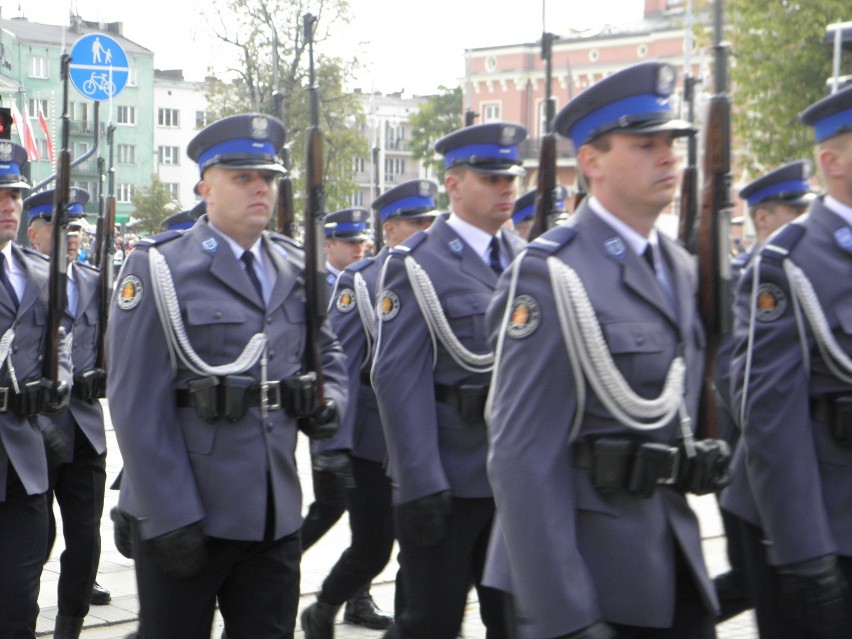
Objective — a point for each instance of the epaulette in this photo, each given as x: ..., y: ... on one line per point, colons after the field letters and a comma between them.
x: 280, y: 237
x: 88, y: 266
x: 779, y: 245
x: 409, y: 244
x: 31, y: 252
x: 154, y: 240
x: 360, y: 265
x: 553, y: 240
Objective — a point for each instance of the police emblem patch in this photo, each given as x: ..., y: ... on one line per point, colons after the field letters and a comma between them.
x: 210, y: 245
x: 388, y: 305
x: 345, y: 300
x: 456, y: 246
x: 844, y: 238
x: 525, y: 317
x: 771, y: 302
x: 615, y: 247
x: 129, y: 293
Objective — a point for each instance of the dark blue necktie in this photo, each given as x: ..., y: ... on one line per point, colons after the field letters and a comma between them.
x: 494, y: 256
x: 248, y: 259
x: 648, y: 254
x: 5, y: 279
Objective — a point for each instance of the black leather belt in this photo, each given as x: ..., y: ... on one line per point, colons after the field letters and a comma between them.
x: 468, y: 399
x: 253, y: 396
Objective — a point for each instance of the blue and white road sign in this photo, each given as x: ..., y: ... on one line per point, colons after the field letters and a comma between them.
x: 98, y: 68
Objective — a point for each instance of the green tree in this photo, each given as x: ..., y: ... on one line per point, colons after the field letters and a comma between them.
x: 780, y: 64
x: 439, y: 115
x: 152, y: 204
x: 252, y: 32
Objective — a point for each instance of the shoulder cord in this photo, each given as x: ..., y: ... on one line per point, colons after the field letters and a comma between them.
x: 367, y: 315
x: 587, y: 349
x: 177, y: 340
x: 6, y: 355
x: 439, y: 327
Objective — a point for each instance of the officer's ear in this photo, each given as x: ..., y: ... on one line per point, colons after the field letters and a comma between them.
x: 589, y: 161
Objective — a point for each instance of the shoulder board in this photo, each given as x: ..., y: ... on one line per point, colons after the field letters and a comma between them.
x: 553, y: 240
x: 782, y: 242
x: 29, y: 251
x: 88, y: 266
x: 360, y: 265
x: 280, y: 237
x: 153, y: 240
x: 408, y: 245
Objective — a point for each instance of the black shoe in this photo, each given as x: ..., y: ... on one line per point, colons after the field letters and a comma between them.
x: 100, y: 595
x: 733, y: 596
x: 361, y: 610
x: 318, y: 620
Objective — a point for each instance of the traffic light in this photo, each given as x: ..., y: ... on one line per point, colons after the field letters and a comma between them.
x: 5, y: 123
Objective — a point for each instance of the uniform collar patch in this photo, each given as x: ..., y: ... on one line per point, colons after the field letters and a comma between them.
x: 615, y: 247
x: 456, y: 246
x: 843, y: 237
x: 210, y: 245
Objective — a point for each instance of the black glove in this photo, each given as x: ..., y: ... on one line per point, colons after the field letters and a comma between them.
x: 180, y: 553
x: 57, y: 448
x: 323, y: 422
x: 57, y: 396
x: 598, y: 630
x: 424, y: 520
x: 121, y: 531
x: 332, y: 473
x: 813, y: 596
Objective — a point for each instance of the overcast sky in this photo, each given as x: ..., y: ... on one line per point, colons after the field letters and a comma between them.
x: 413, y: 46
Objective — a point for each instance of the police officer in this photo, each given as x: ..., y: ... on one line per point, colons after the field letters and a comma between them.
x: 598, y: 357
x: 792, y: 370
x: 345, y: 239
x: 78, y: 483
x: 524, y: 212
x: 23, y: 463
x: 404, y: 210
x: 773, y: 200
x: 183, y: 220
x: 431, y: 374
x: 206, y: 407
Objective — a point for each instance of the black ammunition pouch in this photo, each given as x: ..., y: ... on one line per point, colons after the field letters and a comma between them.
x: 89, y: 385
x: 836, y: 412
x: 32, y: 399
x: 300, y: 397
x: 204, y: 397
x: 468, y: 399
x: 230, y: 397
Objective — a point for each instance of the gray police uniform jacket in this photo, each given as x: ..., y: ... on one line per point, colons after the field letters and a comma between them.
x: 360, y: 428
x: 430, y: 447
x: 179, y: 467
x: 20, y: 443
x: 569, y: 554
x: 800, y: 476
x: 84, y: 328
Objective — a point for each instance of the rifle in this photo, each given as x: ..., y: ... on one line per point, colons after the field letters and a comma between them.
x: 546, y: 198
x: 96, y: 258
x: 712, y: 233
x: 378, y: 240
x: 285, y: 185
x: 106, y: 249
x: 315, y: 269
x: 689, y: 181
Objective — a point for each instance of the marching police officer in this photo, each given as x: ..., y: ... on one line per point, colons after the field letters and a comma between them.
x: 598, y: 349
x: 345, y: 240
x: 524, y: 212
x: 23, y: 463
x: 404, y: 210
x: 793, y: 374
x: 78, y: 483
x: 773, y: 200
x: 430, y: 374
x: 206, y: 406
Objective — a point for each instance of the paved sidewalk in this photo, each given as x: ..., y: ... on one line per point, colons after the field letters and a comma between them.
x: 117, y: 620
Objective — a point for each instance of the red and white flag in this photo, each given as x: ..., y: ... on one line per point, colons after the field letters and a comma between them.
x: 25, y: 131
x: 43, y: 122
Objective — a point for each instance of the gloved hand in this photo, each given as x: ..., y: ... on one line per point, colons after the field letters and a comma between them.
x: 812, y: 597
x: 424, y: 520
x: 598, y: 630
x: 57, y: 396
x: 121, y: 531
x: 332, y: 472
x: 180, y: 553
x: 323, y: 422
x: 57, y: 448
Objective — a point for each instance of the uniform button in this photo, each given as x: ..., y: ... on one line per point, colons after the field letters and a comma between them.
x: 218, y: 314
x: 640, y: 339
x: 269, y: 320
x: 271, y: 354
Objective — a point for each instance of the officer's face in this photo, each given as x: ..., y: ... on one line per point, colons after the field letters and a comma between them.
x: 11, y: 205
x: 41, y: 237
x: 635, y: 178
x: 239, y: 201
x: 834, y: 157
x: 341, y: 254
x: 485, y: 200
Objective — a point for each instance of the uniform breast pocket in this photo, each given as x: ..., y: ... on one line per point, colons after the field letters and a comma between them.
x: 639, y: 350
x: 211, y: 323
x: 85, y: 328
x: 466, y: 313
x: 35, y: 348
x: 291, y: 332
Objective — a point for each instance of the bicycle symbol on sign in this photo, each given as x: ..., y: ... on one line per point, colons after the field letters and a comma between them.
x: 98, y: 81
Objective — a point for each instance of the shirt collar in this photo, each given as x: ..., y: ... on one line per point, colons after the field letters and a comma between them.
x: 629, y: 235
x: 479, y: 240
x: 239, y: 250
x: 843, y: 210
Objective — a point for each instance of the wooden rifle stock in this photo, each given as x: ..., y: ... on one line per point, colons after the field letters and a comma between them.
x: 106, y: 249
x: 378, y: 231
x: 689, y: 181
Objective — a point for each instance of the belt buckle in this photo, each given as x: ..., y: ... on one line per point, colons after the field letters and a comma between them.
x: 272, y: 392
x: 676, y: 459
x: 4, y: 399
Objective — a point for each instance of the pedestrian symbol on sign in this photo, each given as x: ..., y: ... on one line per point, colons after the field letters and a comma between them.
x: 99, y: 68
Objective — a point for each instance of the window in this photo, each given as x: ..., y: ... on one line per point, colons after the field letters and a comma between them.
x: 168, y: 117
x: 132, y: 75
x: 124, y: 193
x: 126, y: 115
x: 172, y: 188
x: 394, y: 167
x: 359, y: 165
x: 357, y: 199
x: 202, y: 119
x: 89, y: 186
x: 126, y: 153
x: 38, y: 67
x: 41, y: 147
x: 34, y: 104
x: 394, y: 137
x: 491, y: 112
x: 168, y: 154
x: 81, y: 149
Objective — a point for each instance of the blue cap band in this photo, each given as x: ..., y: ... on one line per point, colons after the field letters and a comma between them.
x: 46, y: 210
x: 649, y: 103
x: 10, y: 169
x: 243, y: 146
x: 831, y: 125
x: 344, y: 227
x: 413, y: 202
x: 524, y: 213
x: 774, y: 190
x: 484, y: 152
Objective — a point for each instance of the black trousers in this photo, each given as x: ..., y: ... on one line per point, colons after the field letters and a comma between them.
x: 437, y: 578
x: 78, y: 488
x: 255, y: 582
x: 23, y: 546
x: 371, y: 522
x: 322, y: 515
